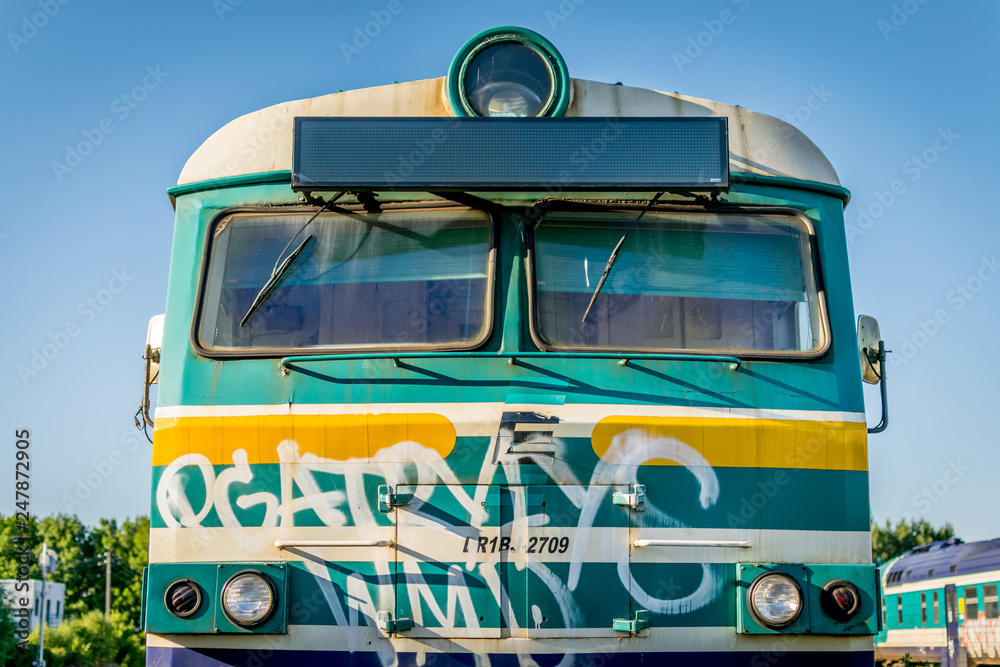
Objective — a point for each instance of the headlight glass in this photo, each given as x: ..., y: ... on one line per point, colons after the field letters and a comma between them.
x: 248, y: 599
x: 508, y: 79
x: 775, y: 599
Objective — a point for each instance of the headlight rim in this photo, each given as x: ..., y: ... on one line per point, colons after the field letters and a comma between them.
x: 832, y: 609
x: 168, y: 604
x: 559, y: 96
x: 753, y: 609
x: 270, y: 610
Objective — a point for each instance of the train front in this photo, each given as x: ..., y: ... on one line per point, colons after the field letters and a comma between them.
x: 509, y: 368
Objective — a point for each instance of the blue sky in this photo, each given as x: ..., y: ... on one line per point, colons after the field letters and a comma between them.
x: 900, y: 95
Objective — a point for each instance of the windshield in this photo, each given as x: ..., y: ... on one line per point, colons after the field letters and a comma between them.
x: 734, y: 283
x: 415, y: 278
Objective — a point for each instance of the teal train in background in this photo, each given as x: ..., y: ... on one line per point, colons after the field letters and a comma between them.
x: 940, y: 604
x: 510, y: 368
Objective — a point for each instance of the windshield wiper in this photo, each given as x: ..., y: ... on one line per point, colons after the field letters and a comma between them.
x: 269, y: 286
x: 280, y: 268
x: 614, y: 256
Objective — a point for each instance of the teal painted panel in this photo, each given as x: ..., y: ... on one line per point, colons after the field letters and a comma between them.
x: 812, y: 619
x: 746, y: 622
x: 546, y: 597
x: 340, y: 593
x: 277, y: 575
x: 211, y: 578
x: 684, y: 594
x: 447, y: 599
x: 832, y: 383
x: 673, y: 498
x: 160, y: 577
x: 865, y: 622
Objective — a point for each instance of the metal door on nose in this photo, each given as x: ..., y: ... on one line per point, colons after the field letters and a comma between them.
x: 448, y: 549
x: 561, y: 570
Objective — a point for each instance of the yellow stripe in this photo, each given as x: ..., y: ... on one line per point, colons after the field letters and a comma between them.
x: 748, y: 443
x: 335, y: 437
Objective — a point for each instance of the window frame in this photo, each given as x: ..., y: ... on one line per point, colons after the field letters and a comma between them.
x: 812, y: 239
x: 965, y: 596
x: 992, y: 603
x: 489, y: 304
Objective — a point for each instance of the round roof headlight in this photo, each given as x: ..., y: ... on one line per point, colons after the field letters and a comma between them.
x: 248, y: 599
x: 508, y: 72
x: 182, y: 598
x: 775, y: 599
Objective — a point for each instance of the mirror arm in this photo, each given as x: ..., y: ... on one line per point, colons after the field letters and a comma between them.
x: 882, y: 425
x: 144, y: 405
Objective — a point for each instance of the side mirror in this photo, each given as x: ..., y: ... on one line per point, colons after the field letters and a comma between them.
x: 868, y: 340
x: 154, y: 341
x: 871, y: 352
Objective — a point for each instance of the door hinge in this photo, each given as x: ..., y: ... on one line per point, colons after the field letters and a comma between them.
x: 632, y: 625
x: 636, y: 500
x: 387, y: 499
x: 386, y: 624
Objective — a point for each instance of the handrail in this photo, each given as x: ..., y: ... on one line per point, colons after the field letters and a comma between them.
x: 285, y: 544
x: 741, y: 544
x: 512, y: 357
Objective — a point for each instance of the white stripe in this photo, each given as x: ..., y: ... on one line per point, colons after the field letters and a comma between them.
x: 334, y: 638
x: 167, y: 545
x: 915, y: 637
x: 473, y: 415
x: 941, y: 582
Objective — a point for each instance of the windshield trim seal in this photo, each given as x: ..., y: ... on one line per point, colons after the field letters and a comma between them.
x: 711, y: 208
x: 280, y: 352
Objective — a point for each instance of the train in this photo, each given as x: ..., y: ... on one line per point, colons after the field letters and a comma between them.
x: 940, y: 604
x: 507, y: 367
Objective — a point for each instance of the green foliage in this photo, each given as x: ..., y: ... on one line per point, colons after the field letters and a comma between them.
x: 12, y: 652
x: 11, y: 541
x: 129, y: 547
x: 93, y: 641
x: 82, y: 559
x: 889, y: 542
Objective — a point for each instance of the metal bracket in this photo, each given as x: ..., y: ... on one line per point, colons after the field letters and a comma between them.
x: 631, y: 625
x: 883, y: 391
x: 636, y: 500
x: 385, y: 623
x: 387, y: 499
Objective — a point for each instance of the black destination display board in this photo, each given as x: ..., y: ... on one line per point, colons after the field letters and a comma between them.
x: 510, y: 153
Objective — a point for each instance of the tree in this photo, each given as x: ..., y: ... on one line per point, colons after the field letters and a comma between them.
x: 129, y: 546
x: 91, y: 640
x: 85, y: 638
x: 12, y: 540
x: 82, y: 559
x: 11, y: 654
x: 889, y: 542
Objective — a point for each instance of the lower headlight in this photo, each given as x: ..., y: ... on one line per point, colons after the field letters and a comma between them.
x: 248, y: 599
x: 841, y: 600
x: 775, y: 599
x: 183, y: 598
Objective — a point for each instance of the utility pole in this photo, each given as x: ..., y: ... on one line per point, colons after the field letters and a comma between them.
x: 107, y: 588
x: 48, y: 561
x: 44, y: 562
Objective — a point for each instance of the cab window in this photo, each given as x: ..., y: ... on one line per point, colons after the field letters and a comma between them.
x: 689, y: 282
x: 396, y: 279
